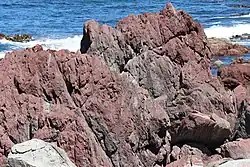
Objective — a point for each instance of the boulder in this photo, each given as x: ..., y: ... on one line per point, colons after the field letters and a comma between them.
x: 37, y: 153
x: 237, y: 71
x: 239, y: 149
x: 213, y: 129
x: 223, y: 47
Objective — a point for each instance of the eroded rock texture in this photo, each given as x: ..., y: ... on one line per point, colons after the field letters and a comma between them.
x: 98, y: 117
x: 136, y: 95
x: 223, y: 47
x: 236, y: 78
x: 167, y: 54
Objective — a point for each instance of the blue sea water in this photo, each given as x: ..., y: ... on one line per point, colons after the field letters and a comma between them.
x: 58, y: 24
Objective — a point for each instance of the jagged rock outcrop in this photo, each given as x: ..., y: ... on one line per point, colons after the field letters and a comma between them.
x: 223, y: 47
x: 168, y: 54
x: 134, y: 92
x: 236, y: 78
x: 98, y: 117
x: 37, y: 153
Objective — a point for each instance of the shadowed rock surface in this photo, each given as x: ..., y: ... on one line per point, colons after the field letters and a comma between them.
x: 237, y: 78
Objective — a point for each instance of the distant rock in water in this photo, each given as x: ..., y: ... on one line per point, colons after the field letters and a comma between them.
x: 17, y: 38
x: 241, y: 37
x: 223, y: 47
x: 218, y: 63
x: 37, y: 153
x: 239, y: 6
x: 2, y: 36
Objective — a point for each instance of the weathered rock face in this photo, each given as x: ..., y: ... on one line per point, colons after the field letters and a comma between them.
x: 159, y: 93
x: 167, y: 53
x: 98, y: 117
x: 240, y: 72
x: 236, y: 78
x: 188, y: 156
x: 37, y: 153
x: 223, y: 47
x: 237, y: 149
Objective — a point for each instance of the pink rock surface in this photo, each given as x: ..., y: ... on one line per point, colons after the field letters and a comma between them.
x: 239, y: 149
x: 223, y: 47
x: 168, y: 54
x: 98, y: 117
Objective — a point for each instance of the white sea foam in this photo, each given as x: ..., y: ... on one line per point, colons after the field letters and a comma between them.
x: 216, y: 23
x: 241, y: 16
x: 227, y: 31
x: 2, y: 54
x: 70, y: 43
x: 247, y: 15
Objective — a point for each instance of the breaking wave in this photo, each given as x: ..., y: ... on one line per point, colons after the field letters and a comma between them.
x: 69, y: 43
x: 227, y: 31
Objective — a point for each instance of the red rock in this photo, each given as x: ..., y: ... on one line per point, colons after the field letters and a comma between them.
x: 223, y: 47
x: 168, y: 54
x: 239, y: 72
x: 240, y: 94
x: 236, y: 78
x: 113, y: 105
x: 192, y: 126
x: 239, y: 149
x: 187, y: 156
x: 95, y: 115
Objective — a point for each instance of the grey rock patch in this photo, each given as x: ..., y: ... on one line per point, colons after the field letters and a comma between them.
x: 37, y: 153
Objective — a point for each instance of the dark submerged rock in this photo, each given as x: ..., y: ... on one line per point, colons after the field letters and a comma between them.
x: 18, y: 37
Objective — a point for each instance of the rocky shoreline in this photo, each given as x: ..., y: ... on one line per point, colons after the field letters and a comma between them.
x: 141, y: 94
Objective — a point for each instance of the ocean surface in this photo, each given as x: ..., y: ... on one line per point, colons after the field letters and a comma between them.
x: 58, y: 24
